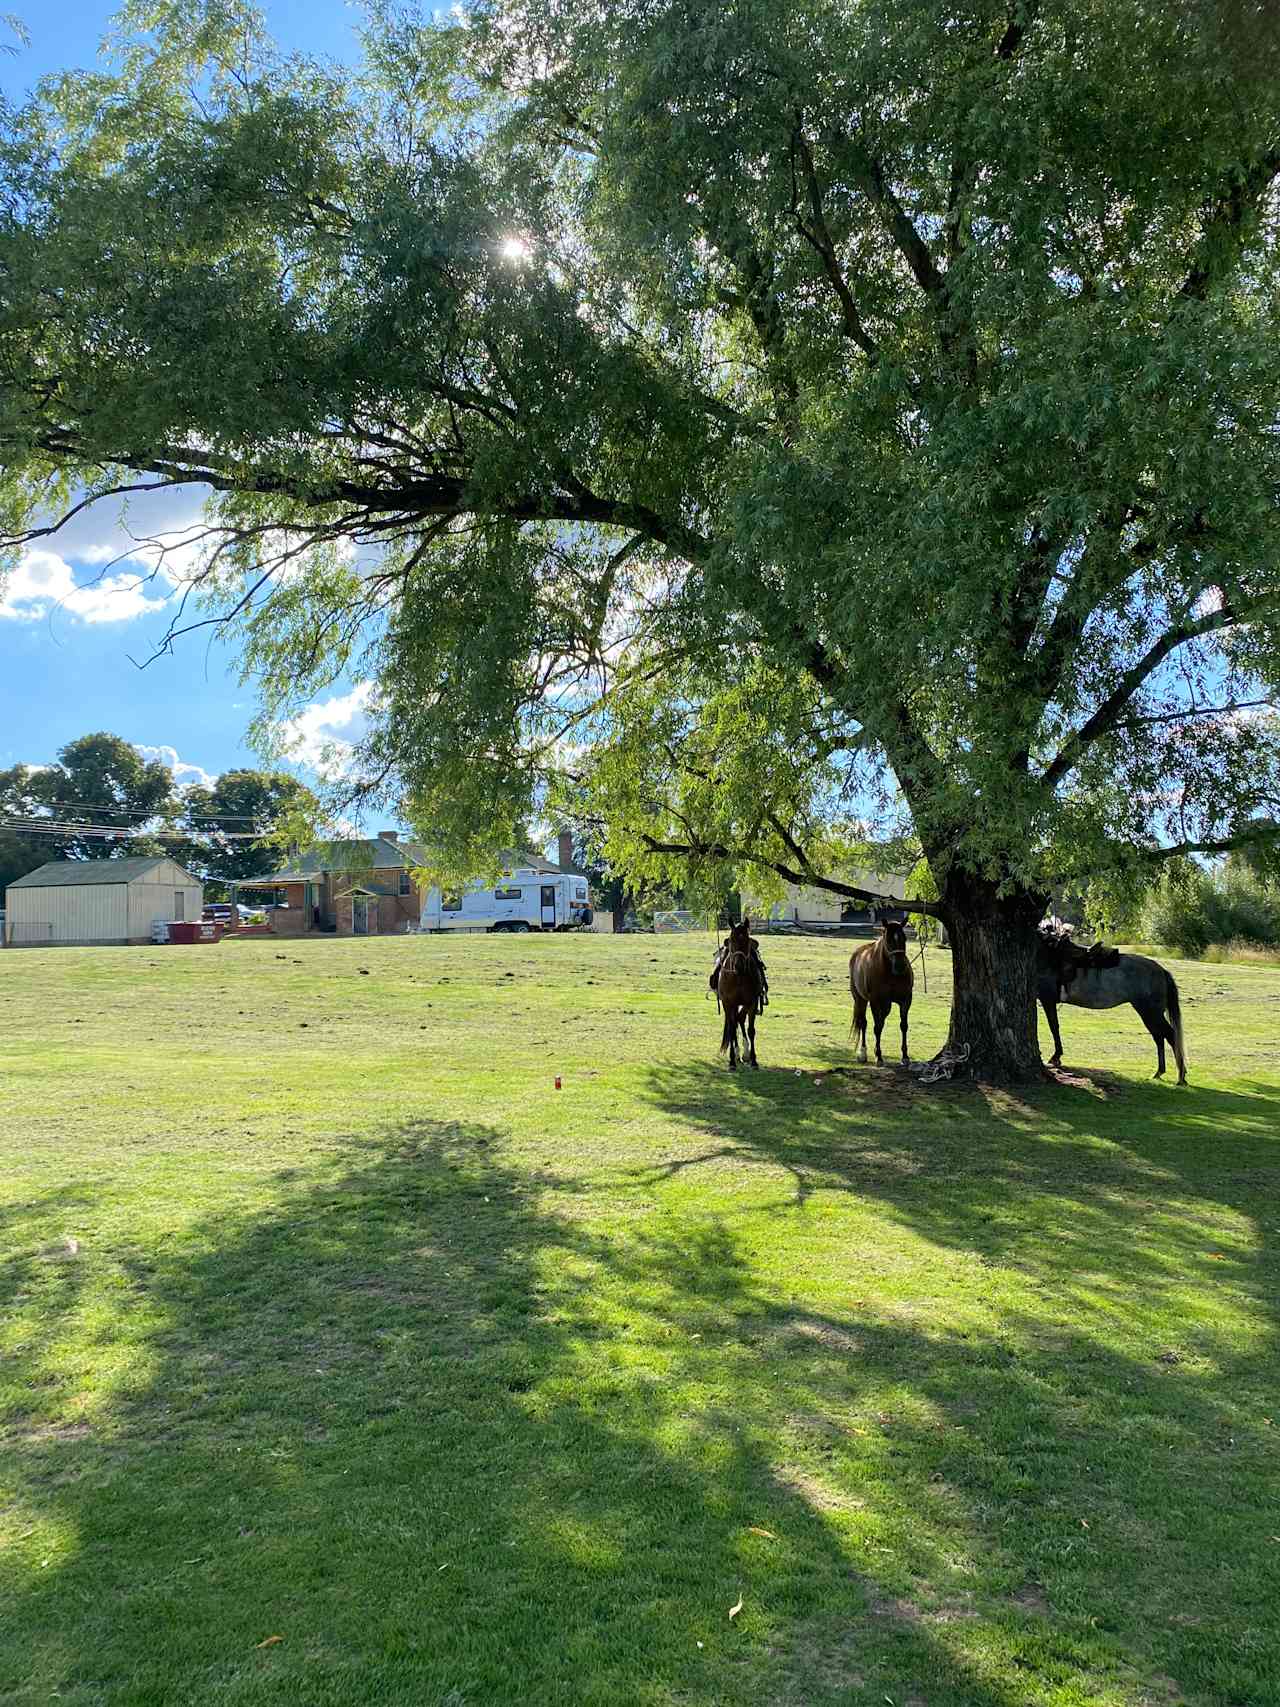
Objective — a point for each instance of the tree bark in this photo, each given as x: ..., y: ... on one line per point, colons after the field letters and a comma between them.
x: 993, y: 966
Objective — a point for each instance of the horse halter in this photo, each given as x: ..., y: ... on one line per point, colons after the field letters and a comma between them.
x: 899, y: 959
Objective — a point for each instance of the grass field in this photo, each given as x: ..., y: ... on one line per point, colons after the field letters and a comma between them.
x: 345, y: 1360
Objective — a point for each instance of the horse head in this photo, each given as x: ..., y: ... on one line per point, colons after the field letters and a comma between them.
x: 740, y: 937
x: 893, y: 934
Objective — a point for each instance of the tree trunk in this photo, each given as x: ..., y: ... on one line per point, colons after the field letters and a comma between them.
x: 993, y: 966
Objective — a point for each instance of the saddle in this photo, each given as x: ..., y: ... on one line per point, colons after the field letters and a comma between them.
x: 1066, y: 958
x: 714, y: 980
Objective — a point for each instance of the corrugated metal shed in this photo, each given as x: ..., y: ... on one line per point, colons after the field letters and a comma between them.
x: 99, y: 900
x: 78, y: 872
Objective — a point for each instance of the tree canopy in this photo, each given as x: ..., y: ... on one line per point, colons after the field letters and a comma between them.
x: 100, y: 783
x: 102, y: 799
x: 787, y: 425
x: 238, y: 820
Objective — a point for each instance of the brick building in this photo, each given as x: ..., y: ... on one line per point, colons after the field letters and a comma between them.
x: 346, y: 888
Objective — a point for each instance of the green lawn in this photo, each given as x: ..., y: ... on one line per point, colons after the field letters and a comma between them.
x: 326, y: 1317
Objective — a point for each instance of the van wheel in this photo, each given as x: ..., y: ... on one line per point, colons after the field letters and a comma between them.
x: 522, y: 927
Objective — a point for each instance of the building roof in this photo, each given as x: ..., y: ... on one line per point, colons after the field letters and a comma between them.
x: 380, y: 855
x: 76, y: 873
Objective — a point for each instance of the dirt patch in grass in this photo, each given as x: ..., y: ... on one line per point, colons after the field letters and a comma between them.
x: 1032, y: 1599
x: 818, y: 1495
x: 904, y: 1611
x: 42, y: 1434
x: 826, y: 1334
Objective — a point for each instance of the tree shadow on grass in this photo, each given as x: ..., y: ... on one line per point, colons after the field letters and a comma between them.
x: 1126, y: 1355
x: 455, y: 1442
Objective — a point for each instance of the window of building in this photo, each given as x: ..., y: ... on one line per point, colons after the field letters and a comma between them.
x: 506, y: 894
x: 406, y: 883
x: 451, y: 904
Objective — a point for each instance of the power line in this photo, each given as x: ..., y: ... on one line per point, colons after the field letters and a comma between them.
x: 141, y: 813
x: 64, y: 831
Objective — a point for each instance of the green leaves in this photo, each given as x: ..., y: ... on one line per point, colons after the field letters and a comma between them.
x: 780, y: 426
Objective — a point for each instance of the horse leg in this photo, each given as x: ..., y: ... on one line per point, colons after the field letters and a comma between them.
x: 729, y: 1039
x: 1051, y: 1014
x: 880, y: 1015
x: 1154, y: 1021
x: 751, y: 1037
x: 904, y: 1008
x: 860, y: 1024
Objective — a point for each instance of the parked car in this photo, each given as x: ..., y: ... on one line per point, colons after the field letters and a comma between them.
x: 220, y: 913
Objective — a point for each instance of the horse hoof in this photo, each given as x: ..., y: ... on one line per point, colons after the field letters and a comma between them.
x: 1158, y: 1074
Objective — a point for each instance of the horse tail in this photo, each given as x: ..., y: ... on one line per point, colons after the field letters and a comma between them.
x: 1175, y: 1019
x: 730, y: 1027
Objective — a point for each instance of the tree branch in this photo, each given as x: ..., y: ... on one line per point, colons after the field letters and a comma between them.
x: 1108, y: 714
x: 802, y: 880
x: 1020, y: 18
x: 869, y: 176
x: 1263, y: 830
x: 1228, y: 222
x: 411, y: 499
x: 818, y: 236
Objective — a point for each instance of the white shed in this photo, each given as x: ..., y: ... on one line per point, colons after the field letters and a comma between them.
x: 98, y: 900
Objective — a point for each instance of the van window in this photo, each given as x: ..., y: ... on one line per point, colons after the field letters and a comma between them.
x: 580, y: 890
x: 506, y: 894
x: 451, y: 904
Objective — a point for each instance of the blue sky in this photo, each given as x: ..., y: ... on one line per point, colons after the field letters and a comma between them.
x: 72, y: 621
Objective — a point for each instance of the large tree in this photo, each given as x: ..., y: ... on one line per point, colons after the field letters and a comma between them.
x: 101, y: 797
x: 19, y: 853
x: 233, y: 821
x: 798, y: 422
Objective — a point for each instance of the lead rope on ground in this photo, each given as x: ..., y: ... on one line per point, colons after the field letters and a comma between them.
x: 943, y: 1064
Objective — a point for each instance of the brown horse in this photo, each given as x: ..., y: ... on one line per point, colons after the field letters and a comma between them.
x: 739, y: 990
x: 879, y: 976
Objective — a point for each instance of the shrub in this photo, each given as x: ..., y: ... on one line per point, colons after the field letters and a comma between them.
x: 1193, y: 909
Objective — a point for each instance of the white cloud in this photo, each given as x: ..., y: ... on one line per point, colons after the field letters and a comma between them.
x: 323, y: 735
x: 108, y: 532
x: 1211, y: 600
x: 43, y: 582
x: 184, y: 774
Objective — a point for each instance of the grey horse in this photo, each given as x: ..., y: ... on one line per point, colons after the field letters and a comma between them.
x: 1129, y: 978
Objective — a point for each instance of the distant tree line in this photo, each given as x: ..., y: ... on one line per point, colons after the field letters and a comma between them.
x: 103, y: 800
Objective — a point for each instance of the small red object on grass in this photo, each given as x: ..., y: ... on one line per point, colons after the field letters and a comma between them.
x: 557, y: 1081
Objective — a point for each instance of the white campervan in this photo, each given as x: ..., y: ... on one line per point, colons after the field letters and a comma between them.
x: 522, y: 900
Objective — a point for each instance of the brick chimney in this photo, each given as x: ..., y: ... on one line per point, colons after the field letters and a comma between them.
x: 564, y: 849
x: 388, y: 835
